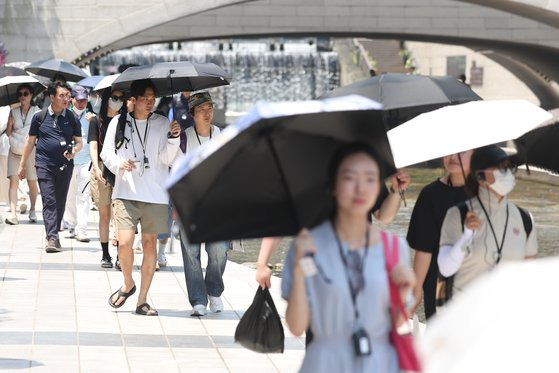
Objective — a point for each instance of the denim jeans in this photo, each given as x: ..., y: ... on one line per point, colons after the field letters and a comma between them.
x: 197, y: 286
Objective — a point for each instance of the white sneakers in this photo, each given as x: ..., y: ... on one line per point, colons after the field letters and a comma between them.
x: 32, y: 216
x: 216, y: 304
x: 162, y: 259
x: 198, y: 310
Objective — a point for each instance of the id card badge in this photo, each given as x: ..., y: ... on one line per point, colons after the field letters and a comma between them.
x: 308, y: 266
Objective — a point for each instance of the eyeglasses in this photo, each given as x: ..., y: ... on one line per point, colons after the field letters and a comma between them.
x: 117, y: 98
x: 23, y: 94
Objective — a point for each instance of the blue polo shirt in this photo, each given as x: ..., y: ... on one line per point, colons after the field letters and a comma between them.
x: 53, y: 135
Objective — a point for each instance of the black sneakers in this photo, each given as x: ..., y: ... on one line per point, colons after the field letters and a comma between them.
x: 107, y: 262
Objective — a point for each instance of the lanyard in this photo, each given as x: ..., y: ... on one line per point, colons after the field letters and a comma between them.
x: 196, y: 132
x: 352, y: 291
x: 146, y: 133
x: 499, y: 247
x: 24, y: 118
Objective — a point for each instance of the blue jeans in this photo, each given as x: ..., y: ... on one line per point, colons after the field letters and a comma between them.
x: 197, y: 286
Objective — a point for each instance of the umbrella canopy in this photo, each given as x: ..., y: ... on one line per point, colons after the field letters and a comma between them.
x: 457, y: 128
x: 404, y: 96
x: 106, y: 82
x: 10, y: 84
x: 265, y: 175
x: 11, y: 71
x: 487, y: 328
x: 539, y: 147
x: 90, y: 81
x: 174, y: 77
x: 53, y: 67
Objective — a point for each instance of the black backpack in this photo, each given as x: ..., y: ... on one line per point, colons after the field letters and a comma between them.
x: 445, y: 284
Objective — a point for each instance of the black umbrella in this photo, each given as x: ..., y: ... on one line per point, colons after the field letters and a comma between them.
x: 538, y: 148
x: 11, y: 71
x: 265, y: 175
x: 10, y: 84
x: 53, y: 67
x: 174, y: 77
x: 404, y: 96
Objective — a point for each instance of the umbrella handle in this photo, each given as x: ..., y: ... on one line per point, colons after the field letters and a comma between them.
x: 171, y: 71
x: 403, y: 197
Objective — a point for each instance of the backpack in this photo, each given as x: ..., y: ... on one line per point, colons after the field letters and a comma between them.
x: 445, y: 284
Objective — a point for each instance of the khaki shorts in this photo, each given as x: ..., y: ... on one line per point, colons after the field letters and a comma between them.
x: 100, y: 192
x: 152, y: 216
x: 13, y: 165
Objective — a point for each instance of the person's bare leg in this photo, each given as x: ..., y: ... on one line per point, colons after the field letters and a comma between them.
x: 104, y: 217
x: 148, y: 265
x: 14, y: 183
x: 126, y: 257
x: 33, y: 193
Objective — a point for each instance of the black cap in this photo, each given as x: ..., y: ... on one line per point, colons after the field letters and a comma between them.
x: 490, y: 156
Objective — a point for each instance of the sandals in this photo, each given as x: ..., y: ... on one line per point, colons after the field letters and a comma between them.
x: 149, y: 312
x: 121, y: 294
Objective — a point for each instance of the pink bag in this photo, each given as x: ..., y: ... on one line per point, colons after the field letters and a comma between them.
x: 403, y: 343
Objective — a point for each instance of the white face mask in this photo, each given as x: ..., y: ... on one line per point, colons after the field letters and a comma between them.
x: 115, y: 105
x: 504, y: 182
x: 78, y: 111
x: 95, y: 102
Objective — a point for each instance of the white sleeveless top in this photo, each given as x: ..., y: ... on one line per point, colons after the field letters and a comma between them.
x: 21, y: 128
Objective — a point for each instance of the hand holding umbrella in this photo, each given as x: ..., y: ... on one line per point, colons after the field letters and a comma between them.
x: 175, y: 130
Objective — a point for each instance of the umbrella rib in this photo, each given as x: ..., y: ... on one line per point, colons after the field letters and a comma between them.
x: 291, y: 202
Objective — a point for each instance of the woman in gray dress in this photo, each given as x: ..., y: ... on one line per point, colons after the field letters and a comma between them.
x: 335, y: 279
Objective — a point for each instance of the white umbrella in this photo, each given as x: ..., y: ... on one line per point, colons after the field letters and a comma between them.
x: 106, y: 82
x: 503, y: 322
x: 10, y: 84
x: 453, y: 129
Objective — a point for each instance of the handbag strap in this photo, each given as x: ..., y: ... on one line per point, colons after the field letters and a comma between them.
x: 391, y: 258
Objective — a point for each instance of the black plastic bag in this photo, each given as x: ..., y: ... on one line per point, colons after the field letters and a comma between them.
x: 260, y: 327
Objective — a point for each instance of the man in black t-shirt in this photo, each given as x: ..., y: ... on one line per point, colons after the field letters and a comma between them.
x: 58, y: 138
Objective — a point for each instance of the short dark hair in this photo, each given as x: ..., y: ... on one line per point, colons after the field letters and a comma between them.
x: 25, y: 86
x: 138, y: 87
x: 339, y: 156
x: 53, y: 87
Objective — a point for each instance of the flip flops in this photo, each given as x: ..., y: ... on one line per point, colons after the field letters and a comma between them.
x: 150, y: 311
x: 121, y: 294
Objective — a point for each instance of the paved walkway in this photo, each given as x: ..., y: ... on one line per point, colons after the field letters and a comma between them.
x: 54, y: 315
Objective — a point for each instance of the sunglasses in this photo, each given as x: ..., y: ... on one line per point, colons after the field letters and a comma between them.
x: 117, y: 98
x: 23, y: 94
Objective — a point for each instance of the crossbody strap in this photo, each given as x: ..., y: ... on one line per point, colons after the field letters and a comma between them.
x: 391, y: 253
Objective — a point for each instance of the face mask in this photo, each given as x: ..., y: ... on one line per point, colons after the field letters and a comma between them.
x: 504, y: 182
x: 78, y: 111
x: 115, y: 105
x: 95, y: 102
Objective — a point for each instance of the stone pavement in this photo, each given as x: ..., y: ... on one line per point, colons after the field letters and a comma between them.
x: 54, y: 315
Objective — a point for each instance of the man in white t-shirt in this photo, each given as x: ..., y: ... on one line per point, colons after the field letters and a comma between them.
x: 201, y: 289
x: 141, y: 166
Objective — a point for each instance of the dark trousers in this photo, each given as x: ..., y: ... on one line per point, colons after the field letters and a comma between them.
x: 53, y: 184
x: 430, y: 289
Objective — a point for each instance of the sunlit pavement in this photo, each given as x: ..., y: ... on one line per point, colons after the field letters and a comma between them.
x: 54, y: 315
